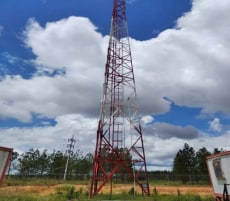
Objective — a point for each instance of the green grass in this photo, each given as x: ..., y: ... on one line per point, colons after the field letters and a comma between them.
x: 182, y: 198
x: 73, y: 195
x: 67, y: 191
x: 176, y: 183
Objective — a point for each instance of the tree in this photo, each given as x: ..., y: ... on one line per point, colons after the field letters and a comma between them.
x: 34, y: 163
x: 28, y: 163
x: 184, y: 163
x: 217, y: 150
x: 82, y: 164
x: 43, y: 163
x: 85, y: 164
x: 57, y: 164
x: 123, y: 155
x: 13, y: 158
x: 201, y: 166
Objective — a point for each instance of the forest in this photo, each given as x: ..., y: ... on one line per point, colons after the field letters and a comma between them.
x: 189, y: 165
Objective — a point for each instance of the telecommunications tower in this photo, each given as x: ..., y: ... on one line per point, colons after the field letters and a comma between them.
x: 119, y: 143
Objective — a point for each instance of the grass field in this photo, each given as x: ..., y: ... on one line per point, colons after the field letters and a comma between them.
x: 56, y: 190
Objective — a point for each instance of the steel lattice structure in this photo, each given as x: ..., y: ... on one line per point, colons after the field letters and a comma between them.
x: 119, y: 143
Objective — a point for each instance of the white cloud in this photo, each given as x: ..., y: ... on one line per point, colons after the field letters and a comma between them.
x: 48, y: 96
x: 161, y: 152
x: 215, y: 125
x: 53, y: 137
x: 147, y: 119
x: 67, y: 43
x: 167, y: 131
x: 189, y: 65
x: 10, y: 58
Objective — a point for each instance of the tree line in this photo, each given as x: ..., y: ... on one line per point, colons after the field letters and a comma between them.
x: 187, y: 162
x: 190, y: 163
x: 42, y: 163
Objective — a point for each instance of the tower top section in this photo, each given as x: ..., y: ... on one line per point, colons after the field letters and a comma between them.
x: 119, y: 22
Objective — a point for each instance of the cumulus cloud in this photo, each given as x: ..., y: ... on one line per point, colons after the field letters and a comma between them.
x: 11, y: 59
x: 67, y: 43
x: 53, y: 137
x: 215, y: 125
x: 188, y: 64
x: 147, y: 119
x: 47, y: 96
x: 161, y: 152
x: 167, y: 131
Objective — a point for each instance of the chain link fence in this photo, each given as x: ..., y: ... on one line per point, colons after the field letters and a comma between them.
x: 154, y: 178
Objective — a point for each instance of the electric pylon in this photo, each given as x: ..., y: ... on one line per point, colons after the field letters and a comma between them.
x: 119, y: 143
x: 69, y: 152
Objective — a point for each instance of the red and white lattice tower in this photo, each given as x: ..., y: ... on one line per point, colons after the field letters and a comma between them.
x: 119, y: 143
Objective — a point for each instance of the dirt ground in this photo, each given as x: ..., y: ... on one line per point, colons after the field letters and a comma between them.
x: 161, y: 189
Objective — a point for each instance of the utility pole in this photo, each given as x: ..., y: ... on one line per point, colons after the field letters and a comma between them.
x: 69, y: 152
x: 119, y: 143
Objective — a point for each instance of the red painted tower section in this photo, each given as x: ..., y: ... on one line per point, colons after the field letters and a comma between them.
x: 119, y: 143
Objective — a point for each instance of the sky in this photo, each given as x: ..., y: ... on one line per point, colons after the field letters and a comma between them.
x: 52, y: 58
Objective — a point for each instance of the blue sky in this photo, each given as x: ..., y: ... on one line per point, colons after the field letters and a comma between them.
x: 50, y: 52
